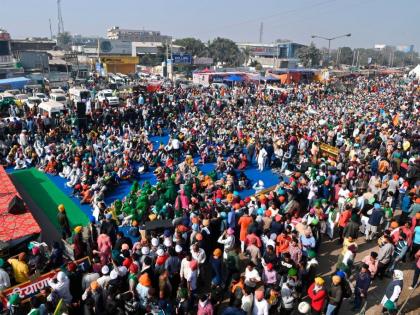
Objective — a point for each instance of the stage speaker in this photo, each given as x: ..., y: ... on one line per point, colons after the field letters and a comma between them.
x: 81, y: 109
x: 16, y: 205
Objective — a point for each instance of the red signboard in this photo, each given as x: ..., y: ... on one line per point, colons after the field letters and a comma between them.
x: 34, y: 287
x: 4, y: 36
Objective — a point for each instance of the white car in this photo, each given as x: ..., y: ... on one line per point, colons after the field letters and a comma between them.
x: 33, y: 101
x: 7, y: 96
x: 107, y: 95
x: 58, y: 91
x: 42, y: 96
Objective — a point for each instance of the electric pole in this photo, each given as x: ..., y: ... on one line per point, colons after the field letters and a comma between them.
x: 51, y: 34
x: 60, y: 18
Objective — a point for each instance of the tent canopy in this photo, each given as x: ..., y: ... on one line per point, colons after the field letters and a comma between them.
x: 13, y: 83
x: 271, y: 77
x: 233, y: 78
x: 415, y: 72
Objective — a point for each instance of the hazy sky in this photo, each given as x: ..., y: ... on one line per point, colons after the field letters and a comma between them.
x: 370, y: 21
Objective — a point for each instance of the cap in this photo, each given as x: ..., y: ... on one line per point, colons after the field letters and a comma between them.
x: 304, y: 307
x: 155, y: 242
x: 167, y: 242
x: 114, y: 274
x: 105, y: 270
x: 145, y: 250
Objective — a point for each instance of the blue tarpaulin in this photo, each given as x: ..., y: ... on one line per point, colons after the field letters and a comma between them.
x: 13, y: 83
x: 233, y: 78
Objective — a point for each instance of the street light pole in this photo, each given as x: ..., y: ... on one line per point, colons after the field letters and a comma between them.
x: 329, y: 39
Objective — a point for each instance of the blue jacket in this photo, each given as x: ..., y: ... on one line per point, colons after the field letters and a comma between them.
x: 375, y: 217
x: 406, y: 203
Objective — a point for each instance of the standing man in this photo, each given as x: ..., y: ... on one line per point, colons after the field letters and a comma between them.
x: 64, y: 222
x: 335, y: 295
x: 393, y: 292
x: 373, y: 222
x: 318, y: 295
x: 262, y: 157
x: 385, y: 255
x: 363, y: 281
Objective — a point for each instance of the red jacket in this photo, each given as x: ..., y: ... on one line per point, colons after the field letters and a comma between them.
x: 318, y: 298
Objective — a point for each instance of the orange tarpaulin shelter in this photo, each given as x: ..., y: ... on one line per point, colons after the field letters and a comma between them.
x: 291, y: 77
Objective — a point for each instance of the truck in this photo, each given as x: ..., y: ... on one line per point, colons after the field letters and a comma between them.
x: 107, y: 95
x: 77, y: 94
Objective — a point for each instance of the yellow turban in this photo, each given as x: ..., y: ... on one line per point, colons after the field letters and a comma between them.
x: 319, y: 281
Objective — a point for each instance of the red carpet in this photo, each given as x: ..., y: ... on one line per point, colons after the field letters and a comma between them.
x: 13, y: 226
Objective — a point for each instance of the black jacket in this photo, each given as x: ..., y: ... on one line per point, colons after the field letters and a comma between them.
x: 335, y: 294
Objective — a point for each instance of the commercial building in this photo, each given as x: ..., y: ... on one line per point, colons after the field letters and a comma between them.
x: 18, y: 45
x: 274, y: 55
x: 118, y: 64
x: 402, y: 48
x: 8, y: 66
x: 150, y: 48
x: 136, y: 35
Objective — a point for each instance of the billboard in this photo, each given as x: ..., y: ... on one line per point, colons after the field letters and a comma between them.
x: 203, y: 61
x: 114, y: 47
x: 185, y: 59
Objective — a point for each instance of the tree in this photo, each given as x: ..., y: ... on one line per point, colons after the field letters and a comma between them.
x: 256, y: 65
x: 345, y: 56
x: 150, y: 60
x: 64, y: 39
x: 226, y: 52
x: 246, y: 52
x: 192, y: 46
x: 309, y: 55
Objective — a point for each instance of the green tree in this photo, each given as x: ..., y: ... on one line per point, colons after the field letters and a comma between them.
x: 226, y: 52
x: 310, y: 56
x: 246, y: 53
x: 256, y: 65
x: 193, y: 46
x: 150, y: 60
x: 346, y: 56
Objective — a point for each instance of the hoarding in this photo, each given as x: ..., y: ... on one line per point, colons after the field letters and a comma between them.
x: 203, y: 61
x: 114, y: 47
x: 185, y: 59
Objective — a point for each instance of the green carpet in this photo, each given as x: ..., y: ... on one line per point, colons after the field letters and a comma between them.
x: 47, y: 196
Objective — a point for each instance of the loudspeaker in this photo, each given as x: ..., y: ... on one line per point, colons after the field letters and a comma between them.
x: 81, y: 109
x: 158, y: 225
x: 16, y: 206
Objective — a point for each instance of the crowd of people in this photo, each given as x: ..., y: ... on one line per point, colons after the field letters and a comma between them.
x: 223, y: 253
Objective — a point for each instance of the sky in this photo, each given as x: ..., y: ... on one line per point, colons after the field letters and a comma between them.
x: 392, y: 22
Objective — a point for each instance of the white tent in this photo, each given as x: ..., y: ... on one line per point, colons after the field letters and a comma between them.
x: 415, y: 72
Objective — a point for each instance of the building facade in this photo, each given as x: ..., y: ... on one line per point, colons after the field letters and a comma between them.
x: 8, y: 67
x: 136, y: 35
x: 276, y: 55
